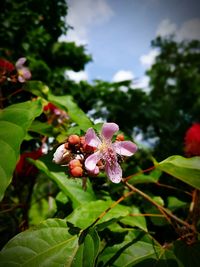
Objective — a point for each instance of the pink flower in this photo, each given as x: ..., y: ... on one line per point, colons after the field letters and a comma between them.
x: 107, y: 151
x: 23, y: 72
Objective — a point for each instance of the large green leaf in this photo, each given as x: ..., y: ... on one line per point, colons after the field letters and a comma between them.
x: 136, y: 247
x: 14, y: 123
x: 76, y: 114
x: 86, y: 214
x: 88, y: 250
x: 185, y: 169
x: 47, y: 245
x: 72, y: 188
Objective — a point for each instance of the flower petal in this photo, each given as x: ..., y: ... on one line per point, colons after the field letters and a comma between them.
x: 91, y: 138
x: 114, y: 172
x: 109, y: 129
x: 58, y: 155
x: 125, y: 148
x: 91, y: 161
x: 26, y: 73
x: 21, y: 79
x: 20, y: 62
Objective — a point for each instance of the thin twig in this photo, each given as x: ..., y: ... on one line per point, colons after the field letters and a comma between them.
x: 168, y: 215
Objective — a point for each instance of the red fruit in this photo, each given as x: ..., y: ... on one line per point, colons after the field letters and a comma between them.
x: 75, y: 163
x: 120, y: 137
x: 74, y: 139
x: 77, y: 171
x: 6, y: 65
x: 192, y: 140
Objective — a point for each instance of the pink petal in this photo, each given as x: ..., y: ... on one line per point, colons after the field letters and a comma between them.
x: 125, y: 148
x: 109, y: 129
x: 21, y: 79
x: 26, y: 73
x: 91, y: 138
x: 91, y: 161
x: 20, y: 62
x: 114, y: 172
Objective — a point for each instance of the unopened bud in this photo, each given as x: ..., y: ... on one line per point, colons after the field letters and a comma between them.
x: 74, y: 139
x: 77, y: 171
x: 58, y: 155
x: 120, y: 137
x: 74, y: 163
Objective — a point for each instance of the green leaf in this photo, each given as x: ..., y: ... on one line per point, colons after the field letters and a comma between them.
x: 14, y: 123
x: 72, y: 188
x: 47, y: 245
x: 37, y: 88
x: 134, y: 219
x: 136, y: 247
x: 41, y: 128
x: 76, y: 114
x: 88, y: 250
x: 184, y: 169
x: 86, y: 214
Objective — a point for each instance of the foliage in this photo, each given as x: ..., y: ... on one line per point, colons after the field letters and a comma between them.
x: 50, y: 217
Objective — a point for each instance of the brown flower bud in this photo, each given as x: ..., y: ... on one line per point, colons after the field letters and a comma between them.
x: 76, y: 172
x: 74, y: 139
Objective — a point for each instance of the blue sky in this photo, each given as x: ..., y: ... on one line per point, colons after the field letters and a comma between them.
x: 118, y: 34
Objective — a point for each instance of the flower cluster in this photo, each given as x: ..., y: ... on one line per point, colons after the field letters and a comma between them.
x: 9, y: 72
x: 55, y: 115
x: 88, y: 155
x: 192, y: 140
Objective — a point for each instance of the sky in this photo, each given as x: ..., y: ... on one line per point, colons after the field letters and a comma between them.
x: 118, y: 34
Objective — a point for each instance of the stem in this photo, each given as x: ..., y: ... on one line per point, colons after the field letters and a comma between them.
x: 112, y: 206
x: 140, y: 172
x: 168, y: 215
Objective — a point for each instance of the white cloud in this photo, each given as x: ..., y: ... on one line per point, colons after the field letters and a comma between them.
x: 77, y: 76
x: 82, y: 15
x: 166, y: 28
x: 187, y: 31
x: 148, y: 59
x: 142, y: 83
x: 123, y: 75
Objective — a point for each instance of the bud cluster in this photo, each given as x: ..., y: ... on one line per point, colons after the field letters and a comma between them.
x: 73, y: 153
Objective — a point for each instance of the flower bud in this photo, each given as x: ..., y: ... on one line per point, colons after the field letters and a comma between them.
x: 58, y: 156
x: 74, y: 163
x: 120, y: 137
x: 74, y: 139
x: 77, y: 171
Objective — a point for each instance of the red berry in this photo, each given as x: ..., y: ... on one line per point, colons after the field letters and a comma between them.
x: 77, y: 171
x: 75, y: 163
x: 74, y: 139
x: 120, y: 137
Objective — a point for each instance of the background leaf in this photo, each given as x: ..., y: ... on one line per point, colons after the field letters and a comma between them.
x: 47, y: 245
x: 86, y: 214
x: 185, y: 169
x: 88, y: 250
x: 14, y: 123
x: 136, y: 247
x: 72, y: 188
x: 76, y: 114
